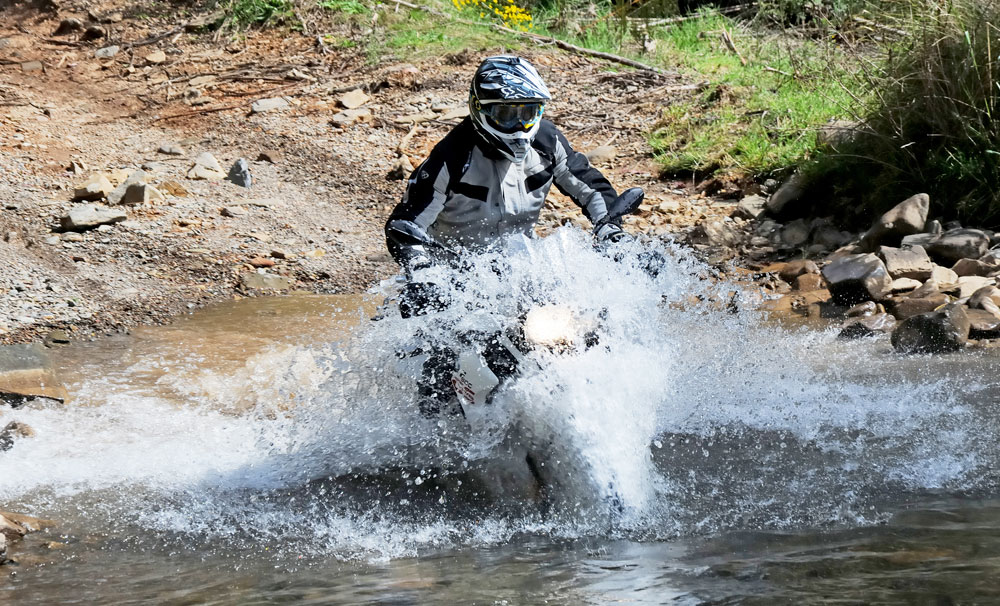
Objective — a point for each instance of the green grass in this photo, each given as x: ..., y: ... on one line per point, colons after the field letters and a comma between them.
x: 752, y: 120
x: 417, y: 35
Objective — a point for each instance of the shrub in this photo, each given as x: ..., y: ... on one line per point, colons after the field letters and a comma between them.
x: 932, y: 124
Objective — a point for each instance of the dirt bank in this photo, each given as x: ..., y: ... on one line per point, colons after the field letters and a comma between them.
x: 321, y: 187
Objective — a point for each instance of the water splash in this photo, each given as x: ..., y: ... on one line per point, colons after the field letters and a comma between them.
x: 695, y: 415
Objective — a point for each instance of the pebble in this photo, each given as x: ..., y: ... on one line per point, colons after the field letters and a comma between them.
x: 107, y: 52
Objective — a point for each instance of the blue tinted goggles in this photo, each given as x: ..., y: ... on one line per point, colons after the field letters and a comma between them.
x: 513, y: 117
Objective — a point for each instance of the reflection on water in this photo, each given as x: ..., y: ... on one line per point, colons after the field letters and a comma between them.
x: 943, y: 553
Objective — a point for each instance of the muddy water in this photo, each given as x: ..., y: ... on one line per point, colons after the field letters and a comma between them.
x: 269, y: 451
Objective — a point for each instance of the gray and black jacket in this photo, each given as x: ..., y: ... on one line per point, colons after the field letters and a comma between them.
x: 464, y: 195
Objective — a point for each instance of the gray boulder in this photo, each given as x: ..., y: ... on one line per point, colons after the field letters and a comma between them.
x: 867, y: 326
x: 906, y: 218
x: 750, y: 207
x: 239, y: 173
x: 789, y: 192
x: 795, y: 234
x: 89, y: 216
x: 935, y: 332
x: 719, y: 233
x: 911, y: 262
x: 856, y: 278
x: 956, y: 244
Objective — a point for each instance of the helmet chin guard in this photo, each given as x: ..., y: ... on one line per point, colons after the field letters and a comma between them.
x: 506, y: 101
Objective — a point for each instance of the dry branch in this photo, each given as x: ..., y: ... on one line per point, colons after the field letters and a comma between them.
x: 731, y: 45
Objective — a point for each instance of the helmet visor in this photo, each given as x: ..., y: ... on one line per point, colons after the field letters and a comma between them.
x: 513, y: 117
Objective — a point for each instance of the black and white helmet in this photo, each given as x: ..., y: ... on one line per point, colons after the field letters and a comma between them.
x: 506, y: 101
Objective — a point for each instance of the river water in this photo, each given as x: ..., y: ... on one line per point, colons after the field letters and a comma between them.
x: 271, y: 451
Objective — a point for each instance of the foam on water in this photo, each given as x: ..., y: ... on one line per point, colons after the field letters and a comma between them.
x: 696, y: 417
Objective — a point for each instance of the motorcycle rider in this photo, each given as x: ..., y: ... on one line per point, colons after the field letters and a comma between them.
x: 488, y: 179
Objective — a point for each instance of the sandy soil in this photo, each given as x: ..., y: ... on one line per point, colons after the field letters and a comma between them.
x: 315, y: 211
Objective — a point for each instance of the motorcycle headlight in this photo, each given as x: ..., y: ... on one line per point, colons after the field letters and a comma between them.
x: 553, y: 326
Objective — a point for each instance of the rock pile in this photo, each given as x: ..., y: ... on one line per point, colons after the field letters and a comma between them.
x: 933, y: 289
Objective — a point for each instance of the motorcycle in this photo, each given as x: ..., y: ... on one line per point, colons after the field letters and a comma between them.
x: 469, y: 372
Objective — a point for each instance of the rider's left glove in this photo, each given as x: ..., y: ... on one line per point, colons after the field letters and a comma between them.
x: 609, y: 232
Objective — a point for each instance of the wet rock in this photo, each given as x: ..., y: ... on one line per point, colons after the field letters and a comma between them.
x: 856, y: 278
x: 972, y: 267
x: 867, y: 326
x: 268, y: 105
x: 239, y: 173
x: 957, y: 244
x: 906, y: 218
x: 68, y: 26
x: 903, y: 285
x: 935, y: 332
x: 206, y: 167
x: 96, y: 187
x: 911, y: 262
x: 789, y: 192
x: 795, y: 234
x: 56, y: 337
x: 14, y: 431
x: 265, y: 281
x: 809, y: 282
x: 983, y: 324
x: 862, y: 309
x: 401, y: 169
x: 793, y: 269
x: 107, y: 52
x: 11, y: 529
x: 171, y: 149
x: 26, y: 522
x: 27, y: 372
x: 968, y: 285
x: 602, y: 154
x: 353, y: 99
x: 90, y: 216
x: 912, y: 306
